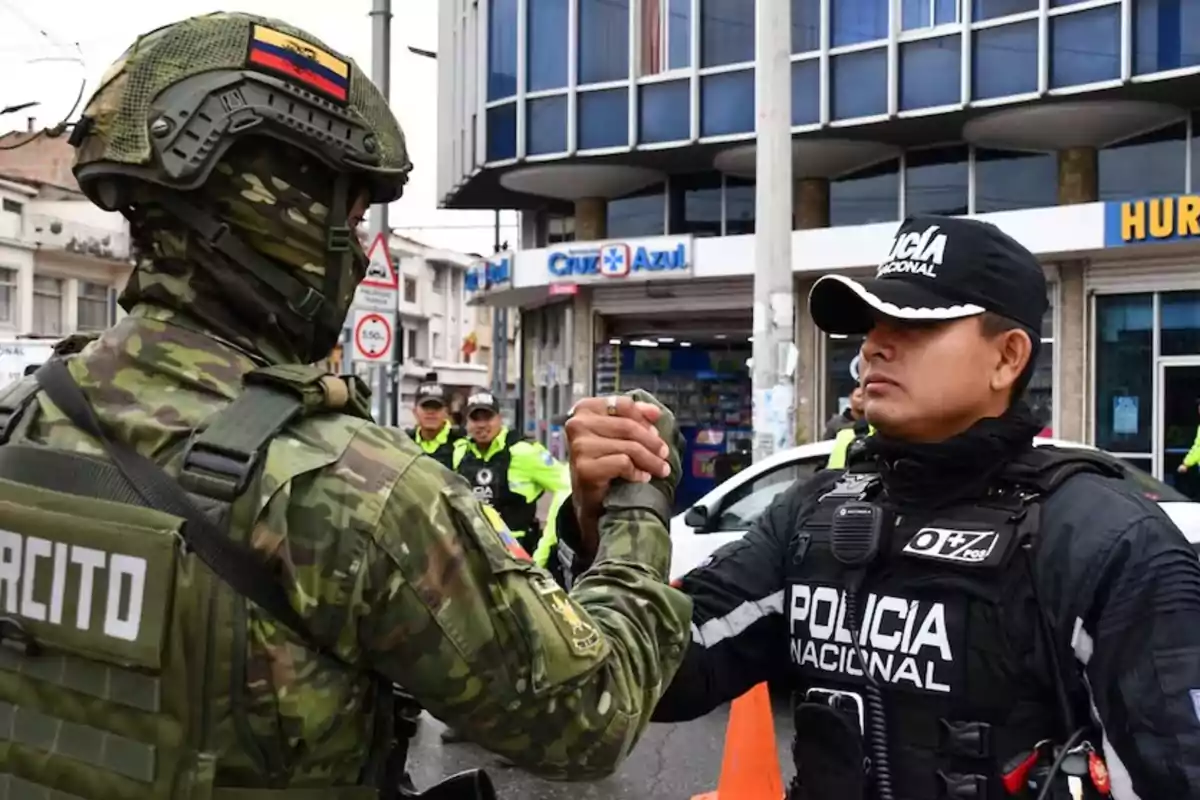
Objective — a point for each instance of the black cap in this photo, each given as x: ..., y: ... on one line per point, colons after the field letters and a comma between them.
x: 938, y: 268
x: 479, y: 400
x: 429, y: 394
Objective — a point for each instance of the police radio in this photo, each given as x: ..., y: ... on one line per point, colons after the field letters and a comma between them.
x: 857, y: 530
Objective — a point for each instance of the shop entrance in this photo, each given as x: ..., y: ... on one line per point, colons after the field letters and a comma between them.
x: 1178, y: 422
x: 701, y: 374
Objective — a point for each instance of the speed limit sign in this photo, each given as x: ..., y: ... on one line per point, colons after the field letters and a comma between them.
x: 374, y: 337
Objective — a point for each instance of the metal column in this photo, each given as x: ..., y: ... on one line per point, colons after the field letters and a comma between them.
x: 385, y: 380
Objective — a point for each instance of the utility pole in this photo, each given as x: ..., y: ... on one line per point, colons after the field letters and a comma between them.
x: 499, y: 336
x: 385, y: 380
x: 774, y: 302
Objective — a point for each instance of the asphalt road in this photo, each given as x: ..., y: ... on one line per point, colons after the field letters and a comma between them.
x: 671, y: 762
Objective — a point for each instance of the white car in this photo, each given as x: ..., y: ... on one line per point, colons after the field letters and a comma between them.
x: 727, y: 512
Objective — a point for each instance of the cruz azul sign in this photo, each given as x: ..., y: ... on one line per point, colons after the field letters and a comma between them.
x: 639, y: 259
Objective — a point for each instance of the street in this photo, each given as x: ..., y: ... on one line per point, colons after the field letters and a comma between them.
x: 671, y: 762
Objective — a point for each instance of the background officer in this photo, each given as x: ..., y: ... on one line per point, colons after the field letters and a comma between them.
x: 434, y: 433
x: 244, y: 153
x: 961, y: 615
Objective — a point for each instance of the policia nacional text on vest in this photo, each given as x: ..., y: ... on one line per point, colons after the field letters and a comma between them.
x: 935, y: 712
x: 107, y: 610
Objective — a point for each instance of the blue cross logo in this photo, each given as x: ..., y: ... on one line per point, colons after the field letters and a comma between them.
x: 614, y: 260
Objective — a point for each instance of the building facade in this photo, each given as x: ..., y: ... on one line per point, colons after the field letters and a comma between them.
x: 623, y: 130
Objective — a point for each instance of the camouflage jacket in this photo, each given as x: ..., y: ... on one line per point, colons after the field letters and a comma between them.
x: 391, y: 557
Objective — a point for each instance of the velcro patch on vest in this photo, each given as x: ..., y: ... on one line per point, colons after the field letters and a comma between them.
x: 965, y: 545
x: 911, y: 644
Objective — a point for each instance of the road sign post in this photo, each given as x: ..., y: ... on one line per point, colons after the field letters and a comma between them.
x: 374, y: 336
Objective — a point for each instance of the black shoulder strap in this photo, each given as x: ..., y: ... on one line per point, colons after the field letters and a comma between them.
x: 235, y: 564
x: 1045, y: 469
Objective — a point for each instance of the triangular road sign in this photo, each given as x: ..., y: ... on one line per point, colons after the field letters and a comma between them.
x: 380, y: 272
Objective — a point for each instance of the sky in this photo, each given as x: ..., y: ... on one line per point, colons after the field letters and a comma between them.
x: 48, y: 48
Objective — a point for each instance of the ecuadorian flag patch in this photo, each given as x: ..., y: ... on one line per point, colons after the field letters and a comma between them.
x: 300, y: 61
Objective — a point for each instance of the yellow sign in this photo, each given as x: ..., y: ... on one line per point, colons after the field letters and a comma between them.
x: 1160, y: 219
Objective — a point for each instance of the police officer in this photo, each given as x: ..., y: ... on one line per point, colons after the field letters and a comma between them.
x: 850, y: 438
x: 511, y: 474
x: 434, y: 433
x: 961, y: 615
x: 218, y: 565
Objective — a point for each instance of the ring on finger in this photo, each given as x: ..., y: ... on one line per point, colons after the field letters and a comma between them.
x: 611, y: 406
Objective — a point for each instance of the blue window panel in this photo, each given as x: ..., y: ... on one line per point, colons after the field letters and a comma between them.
x: 643, y: 214
x: 931, y: 72
x: 726, y: 32
x: 502, y: 49
x: 727, y: 103
x: 806, y: 26
x: 857, y: 21
x: 1005, y: 61
x: 546, y: 125
x: 1006, y: 180
x: 994, y: 9
x: 1166, y: 35
x: 858, y: 82
x: 546, y: 37
x: 1061, y: 3
x: 1085, y: 47
x: 603, y: 40
x: 806, y: 92
x: 870, y: 195
x: 603, y: 119
x: 663, y: 112
x: 915, y: 14
x: 679, y: 34
x: 1151, y: 164
x: 502, y: 132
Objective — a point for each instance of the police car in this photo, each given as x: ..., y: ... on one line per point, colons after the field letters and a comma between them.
x: 727, y: 512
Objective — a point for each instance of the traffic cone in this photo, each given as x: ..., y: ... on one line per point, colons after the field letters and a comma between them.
x: 750, y: 766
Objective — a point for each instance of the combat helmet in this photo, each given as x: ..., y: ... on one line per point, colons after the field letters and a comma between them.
x: 172, y: 105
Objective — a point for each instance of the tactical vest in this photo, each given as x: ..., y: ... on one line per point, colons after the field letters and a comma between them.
x: 118, y: 643
x: 444, y: 454
x: 489, y: 482
x: 935, y: 617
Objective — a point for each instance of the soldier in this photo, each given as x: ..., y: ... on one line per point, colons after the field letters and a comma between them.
x: 223, y: 565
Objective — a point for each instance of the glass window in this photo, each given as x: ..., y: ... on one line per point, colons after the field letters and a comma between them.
x: 840, y: 352
x: 857, y: 21
x: 666, y: 35
x: 1180, y: 334
x: 641, y: 214
x: 502, y: 49
x: 502, y: 132
x: 47, y: 305
x: 92, y: 307
x: 546, y: 34
x: 739, y: 206
x: 859, y: 84
x: 603, y: 40
x: 8, y: 295
x: 560, y: 229
x: 806, y: 26
x: 992, y: 9
x: 726, y: 32
x: 727, y: 103
x: 663, y: 111
x: 869, y: 195
x: 1005, y: 61
x: 931, y: 72
x: 1166, y: 35
x: 1040, y: 393
x: 935, y: 181
x: 546, y: 125
x: 1007, y: 180
x: 410, y: 290
x: 806, y: 92
x: 1124, y: 366
x: 1085, y: 47
x: 916, y: 14
x: 745, y: 504
x: 1151, y: 164
x: 603, y: 119
x: 696, y: 204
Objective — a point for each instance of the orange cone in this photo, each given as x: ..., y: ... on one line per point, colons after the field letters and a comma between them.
x: 750, y: 766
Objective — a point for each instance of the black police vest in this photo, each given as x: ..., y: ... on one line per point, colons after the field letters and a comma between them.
x: 947, y: 622
x: 444, y: 454
x: 489, y: 482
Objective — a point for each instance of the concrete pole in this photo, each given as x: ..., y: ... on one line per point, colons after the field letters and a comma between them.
x: 499, y: 337
x: 385, y: 381
x: 774, y: 305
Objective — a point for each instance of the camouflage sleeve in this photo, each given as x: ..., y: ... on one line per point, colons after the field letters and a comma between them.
x: 562, y: 685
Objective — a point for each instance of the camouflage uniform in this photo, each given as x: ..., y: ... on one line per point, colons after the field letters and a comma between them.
x: 392, y: 562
